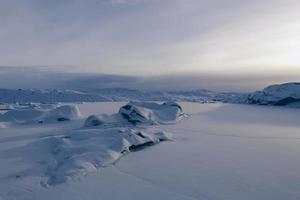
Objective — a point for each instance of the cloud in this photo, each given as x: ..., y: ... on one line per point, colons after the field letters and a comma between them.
x: 151, y: 37
x: 128, y: 2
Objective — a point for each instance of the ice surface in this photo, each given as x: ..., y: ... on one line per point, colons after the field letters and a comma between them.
x: 222, y: 151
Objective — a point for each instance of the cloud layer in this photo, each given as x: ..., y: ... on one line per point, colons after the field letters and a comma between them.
x: 152, y: 37
x: 29, y: 77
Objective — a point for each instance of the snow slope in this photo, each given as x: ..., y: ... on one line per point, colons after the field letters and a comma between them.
x: 59, y: 159
x: 152, y: 113
x: 281, y: 95
x: 221, y: 152
x: 37, y: 115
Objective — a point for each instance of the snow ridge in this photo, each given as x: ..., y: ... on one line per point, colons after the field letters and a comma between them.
x: 30, y: 114
x: 279, y: 95
x: 101, y: 141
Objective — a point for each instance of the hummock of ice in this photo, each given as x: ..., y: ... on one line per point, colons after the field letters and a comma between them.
x: 38, y: 115
x: 151, y: 113
x: 284, y: 94
x: 5, y: 107
x: 104, y: 120
x: 67, y: 158
x: 101, y: 141
x: 139, y: 113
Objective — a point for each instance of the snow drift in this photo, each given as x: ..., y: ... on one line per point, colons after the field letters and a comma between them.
x: 101, y: 141
x: 283, y: 94
x: 151, y: 113
x: 38, y: 115
x: 67, y: 158
x: 115, y: 120
x: 139, y: 113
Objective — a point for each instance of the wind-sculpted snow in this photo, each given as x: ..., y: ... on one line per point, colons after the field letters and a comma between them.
x: 39, y: 115
x: 69, y: 157
x: 284, y: 94
x: 101, y: 141
x: 151, y: 113
x: 139, y: 113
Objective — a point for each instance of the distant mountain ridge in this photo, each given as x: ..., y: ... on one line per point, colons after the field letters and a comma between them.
x: 287, y: 94
x: 113, y: 94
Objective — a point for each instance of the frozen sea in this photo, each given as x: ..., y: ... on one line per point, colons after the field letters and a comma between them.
x: 220, y: 152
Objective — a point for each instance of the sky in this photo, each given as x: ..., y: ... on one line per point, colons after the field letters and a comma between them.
x: 242, y: 38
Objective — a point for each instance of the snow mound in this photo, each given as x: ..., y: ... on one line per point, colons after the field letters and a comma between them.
x: 61, y: 159
x: 283, y: 94
x: 62, y: 113
x: 115, y: 120
x: 3, y: 125
x: 151, y: 113
x: 102, y: 141
x: 37, y: 115
x: 21, y: 115
x: 4, y: 107
x: 69, y: 157
x: 93, y: 120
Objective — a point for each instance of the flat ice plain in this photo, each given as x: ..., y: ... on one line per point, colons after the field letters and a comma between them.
x: 221, y: 152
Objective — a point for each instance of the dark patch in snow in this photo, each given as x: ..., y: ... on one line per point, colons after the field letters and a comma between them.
x: 286, y: 101
x: 140, y: 146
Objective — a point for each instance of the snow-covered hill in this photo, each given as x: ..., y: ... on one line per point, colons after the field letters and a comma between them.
x: 282, y: 94
x: 28, y: 115
x: 80, y: 151
x: 279, y: 95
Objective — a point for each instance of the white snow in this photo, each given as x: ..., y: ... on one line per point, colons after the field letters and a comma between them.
x: 282, y: 94
x: 37, y: 115
x: 222, y: 151
x: 4, y: 107
x: 58, y: 159
x: 61, y: 113
x: 152, y: 113
x: 115, y: 94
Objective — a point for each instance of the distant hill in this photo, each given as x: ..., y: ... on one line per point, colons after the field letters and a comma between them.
x: 113, y: 94
x: 287, y: 94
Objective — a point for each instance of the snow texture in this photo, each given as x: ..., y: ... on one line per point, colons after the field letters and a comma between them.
x: 152, y: 113
x: 281, y: 95
x: 115, y: 94
x: 37, y: 115
x: 100, y: 142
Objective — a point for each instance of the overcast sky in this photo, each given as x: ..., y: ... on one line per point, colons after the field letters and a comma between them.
x: 153, y: 37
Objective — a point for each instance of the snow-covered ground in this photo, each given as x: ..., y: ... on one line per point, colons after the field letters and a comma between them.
x: 287, y: 94
x: 220, y: 152
x: 21, y: 96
